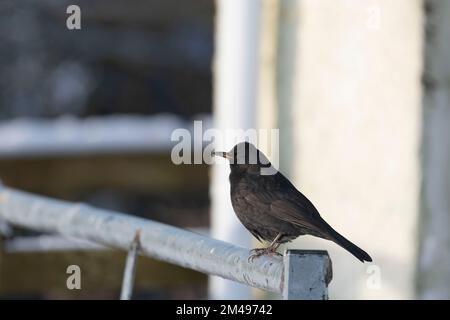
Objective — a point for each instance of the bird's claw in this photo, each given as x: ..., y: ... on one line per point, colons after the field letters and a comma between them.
x: 255, y: 253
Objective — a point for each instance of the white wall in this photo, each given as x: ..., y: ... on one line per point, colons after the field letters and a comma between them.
x: 357, y: 136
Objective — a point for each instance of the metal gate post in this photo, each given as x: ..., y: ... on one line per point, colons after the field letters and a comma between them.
x: 307, y: 274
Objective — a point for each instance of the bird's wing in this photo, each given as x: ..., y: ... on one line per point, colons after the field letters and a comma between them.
x: 293, y: 212
x: 288, y: 207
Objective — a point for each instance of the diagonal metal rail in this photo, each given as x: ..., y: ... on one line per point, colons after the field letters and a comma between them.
x: 157, y: 240
x: 301, y: 274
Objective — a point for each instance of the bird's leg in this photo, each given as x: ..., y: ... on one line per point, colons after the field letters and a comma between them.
x: 274, y: 244
x: 270, y: 250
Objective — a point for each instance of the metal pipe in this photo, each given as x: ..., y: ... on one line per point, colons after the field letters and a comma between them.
x: 159, y: 241
x: 130, y: 268
x: 235, y: 92
x: 307, y: 274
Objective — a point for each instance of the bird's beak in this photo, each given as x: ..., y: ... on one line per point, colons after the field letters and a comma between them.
x: 222, y: 154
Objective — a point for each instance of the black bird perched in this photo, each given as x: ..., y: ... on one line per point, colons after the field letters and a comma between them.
x: 271, y: 208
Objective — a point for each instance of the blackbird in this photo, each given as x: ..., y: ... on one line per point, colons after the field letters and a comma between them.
x: 270, y: 207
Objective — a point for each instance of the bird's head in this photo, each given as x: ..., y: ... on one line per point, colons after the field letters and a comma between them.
x: 245, y: 157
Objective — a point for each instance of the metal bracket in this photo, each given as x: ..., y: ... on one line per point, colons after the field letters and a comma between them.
x: 307, y: 274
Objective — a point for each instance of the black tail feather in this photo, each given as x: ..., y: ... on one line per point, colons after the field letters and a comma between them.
x: 359, y: 253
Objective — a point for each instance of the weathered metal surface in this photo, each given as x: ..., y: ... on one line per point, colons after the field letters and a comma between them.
x: 307, y: 275
x: 158, y: 240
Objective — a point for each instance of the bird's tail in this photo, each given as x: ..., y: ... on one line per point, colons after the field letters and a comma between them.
x: 347, y: 245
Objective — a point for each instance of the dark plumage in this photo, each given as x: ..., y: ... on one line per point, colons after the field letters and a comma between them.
x: 271, y: 208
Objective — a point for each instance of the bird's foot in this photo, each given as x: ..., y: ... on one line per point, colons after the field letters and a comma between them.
x: 255, y: 253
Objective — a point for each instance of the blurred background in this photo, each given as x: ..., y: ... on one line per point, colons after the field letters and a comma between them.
x: 359, y: 90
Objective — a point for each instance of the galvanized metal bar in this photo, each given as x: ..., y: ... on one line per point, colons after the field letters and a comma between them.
x: 307, y: 274
x: 160, y: 241
x: 130, y: 268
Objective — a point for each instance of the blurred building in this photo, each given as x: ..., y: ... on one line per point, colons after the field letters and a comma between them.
x: 86, y: 115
